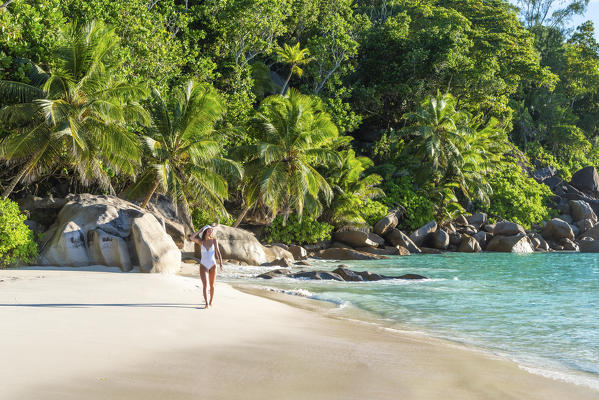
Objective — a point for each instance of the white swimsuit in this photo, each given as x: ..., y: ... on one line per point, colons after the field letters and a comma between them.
x: 208, y: 257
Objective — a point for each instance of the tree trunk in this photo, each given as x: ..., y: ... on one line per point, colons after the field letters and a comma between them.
x: 144, y: 204
x: 6, y: 3
x: 241, y: 216
x: 19, y: 176
x: 287, y: 82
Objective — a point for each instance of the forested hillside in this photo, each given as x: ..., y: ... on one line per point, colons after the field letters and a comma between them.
x: 328, y: 111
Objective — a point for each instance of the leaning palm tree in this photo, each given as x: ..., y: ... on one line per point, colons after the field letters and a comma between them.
x: 295, y: 57
x: 293, y: 135
x: 184, y: 150
x: 79, y: 113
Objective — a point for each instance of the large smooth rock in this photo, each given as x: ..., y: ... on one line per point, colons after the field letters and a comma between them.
x: 356, y: 238
x: 156, y: 251
x: 107, y: 249
x: 347, y: 254
x: 557, y: 229
x: 584, y: 225
x: 592, y: 233
x: 420, y: 235
x: 469, y: 245
x: 177, y: 225
x: 589, y: 246
x: 477, y: 220
x: 581, y: 210
x: 510, y: 244
x: 586, y: 180
x: 398, y: 238
x: 386, y: 224
x: 505, y: 228
x: 482, y: 238
x: 440, y: 239
x: 278, y: 254
x: 298, y: 252
x: 568, y: 245
x: 317, y: 275
x: 386, y: 251
x: 43, y: 210
x: 241, y: 245
x: 92, y: 229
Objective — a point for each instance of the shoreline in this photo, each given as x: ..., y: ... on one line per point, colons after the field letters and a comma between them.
x: 96, y: 334
x: 357, y: 315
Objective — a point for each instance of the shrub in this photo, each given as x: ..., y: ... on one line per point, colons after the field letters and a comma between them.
x: 518, y: 197
x: 201, y: 217
x: 419, y: 209
x: 16, y: 239
x: 373, y: 211
x: 306, y: 231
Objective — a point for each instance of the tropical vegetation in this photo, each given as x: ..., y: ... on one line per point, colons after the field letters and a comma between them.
x: 309, y: 113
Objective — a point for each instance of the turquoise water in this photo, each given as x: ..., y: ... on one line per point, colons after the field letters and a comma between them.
x: 541, y: 310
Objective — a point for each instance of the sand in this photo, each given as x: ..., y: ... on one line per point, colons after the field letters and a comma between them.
x: 77, y: 334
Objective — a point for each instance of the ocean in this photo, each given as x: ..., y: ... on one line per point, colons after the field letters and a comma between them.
x: 540, y: 310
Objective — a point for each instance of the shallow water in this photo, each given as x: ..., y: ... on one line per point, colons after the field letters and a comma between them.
x: 541, y: 310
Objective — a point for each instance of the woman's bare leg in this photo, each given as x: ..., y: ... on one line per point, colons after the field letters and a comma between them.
x: 212, y: 276
x: 203, y: 273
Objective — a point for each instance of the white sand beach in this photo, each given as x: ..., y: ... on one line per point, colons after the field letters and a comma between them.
x: 84, y: 334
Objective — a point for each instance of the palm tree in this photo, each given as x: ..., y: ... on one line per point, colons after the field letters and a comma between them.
x: 79, y: 112
x: 293, y: 135
x: 352, y: 188
x: 294, y: 56
x: 436, y: 132
x: 184, y: 150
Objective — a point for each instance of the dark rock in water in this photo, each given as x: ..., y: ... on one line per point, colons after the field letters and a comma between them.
x: 282, y: 262
x: 341, y: 273
x: 568, y: 245
x: 274, y: 274
x: 428, y: 250
x: 411, y: 276
x: 586, y: 180
x: 318, y: 275
x: 588, y: 245
x: 302, y: 262
x: 348, y: 275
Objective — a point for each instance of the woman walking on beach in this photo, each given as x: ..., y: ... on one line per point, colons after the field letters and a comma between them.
x: 209, y: 254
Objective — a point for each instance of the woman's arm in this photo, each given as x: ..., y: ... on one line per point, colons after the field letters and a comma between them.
x: 194, y: 237
x: 220, y: 258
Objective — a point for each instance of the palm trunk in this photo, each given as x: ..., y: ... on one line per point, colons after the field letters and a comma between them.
x: 287, y: 82
x: 19, y: 176
x: 241, y: 216
x: 144, y: 204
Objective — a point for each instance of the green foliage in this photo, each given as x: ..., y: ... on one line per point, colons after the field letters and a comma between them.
x: 518, y: 197
x: 353, y: 189
x: 293, y: 135
x: 184, y: 152
x: 16, y: 239
x: 305, y: 231
x: 419, y: 209
x: 201, y: 217
x: 373, y: 211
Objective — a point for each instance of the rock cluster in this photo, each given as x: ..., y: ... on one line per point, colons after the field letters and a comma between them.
x: 106, y: 230
x: 341, y: 273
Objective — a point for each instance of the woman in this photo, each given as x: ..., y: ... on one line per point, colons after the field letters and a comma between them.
x: 209, y: 250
